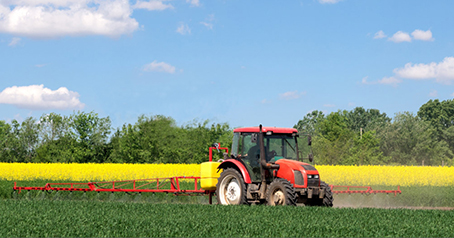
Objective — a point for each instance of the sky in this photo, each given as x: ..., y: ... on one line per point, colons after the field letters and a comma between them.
x: 242, y: 62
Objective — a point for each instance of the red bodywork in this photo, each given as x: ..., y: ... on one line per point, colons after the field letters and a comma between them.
x: 286, y: 171
x: 233, y: 163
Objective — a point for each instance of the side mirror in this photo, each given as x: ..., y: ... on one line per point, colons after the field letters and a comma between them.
x: 311, y: 158
x: 309, y: 140
x: 216, y: 145
x: 254, y: 138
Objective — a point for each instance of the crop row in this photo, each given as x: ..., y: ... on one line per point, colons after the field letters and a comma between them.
x: 114, y: 219
x: 339, y: 175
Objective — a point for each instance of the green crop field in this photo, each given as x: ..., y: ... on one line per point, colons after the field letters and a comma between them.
x: 78, y: 214
x: 25, y: 218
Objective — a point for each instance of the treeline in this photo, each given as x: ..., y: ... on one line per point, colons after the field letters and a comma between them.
x: 87, y: 138
x: 357, y: 137
x: 368, y: 137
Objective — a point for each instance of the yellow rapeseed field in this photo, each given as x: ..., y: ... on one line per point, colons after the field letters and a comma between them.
x: 94, y: 172
x: 387, y: 175
x: 338, y: 175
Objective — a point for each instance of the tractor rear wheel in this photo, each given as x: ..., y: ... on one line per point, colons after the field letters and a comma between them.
x: 281, y: 192
x: 231, y: 189
x: 327, y: 200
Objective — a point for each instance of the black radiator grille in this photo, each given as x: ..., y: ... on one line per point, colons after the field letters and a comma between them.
x: 313, y: 182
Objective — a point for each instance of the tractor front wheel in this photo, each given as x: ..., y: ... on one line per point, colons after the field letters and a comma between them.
x: 326, y: 201
x: 231, y: 189
x: 281, y: 192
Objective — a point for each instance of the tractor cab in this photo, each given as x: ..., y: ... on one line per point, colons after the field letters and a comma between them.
x: 279, y: 143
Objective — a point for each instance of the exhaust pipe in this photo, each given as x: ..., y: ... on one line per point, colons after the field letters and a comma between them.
x: 264, y: 164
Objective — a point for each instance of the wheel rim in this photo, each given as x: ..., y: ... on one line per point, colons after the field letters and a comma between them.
x: 230, y: 190
x: 278, y: 198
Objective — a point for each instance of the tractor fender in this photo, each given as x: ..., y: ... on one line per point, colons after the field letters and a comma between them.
x: 238, y: 165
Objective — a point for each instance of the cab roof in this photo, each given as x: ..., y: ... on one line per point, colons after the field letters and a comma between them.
x: 278, y: 130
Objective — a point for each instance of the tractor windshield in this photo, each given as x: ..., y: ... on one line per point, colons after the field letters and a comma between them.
x: 279, y: 147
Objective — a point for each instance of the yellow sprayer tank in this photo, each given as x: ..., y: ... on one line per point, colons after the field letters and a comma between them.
x: 209, y: 175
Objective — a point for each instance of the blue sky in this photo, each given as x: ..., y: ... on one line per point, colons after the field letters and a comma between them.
x: 242, y: 62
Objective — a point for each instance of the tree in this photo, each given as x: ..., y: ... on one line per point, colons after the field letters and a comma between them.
x: 57, y: 140
x: 410, y: 140
x: 368, y: 119
x: 332, y: 144
x: 91, y: 134
x: 310, y: 122
x: 439, y: 114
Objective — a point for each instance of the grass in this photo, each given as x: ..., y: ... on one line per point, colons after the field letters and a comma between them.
x: 47, y: 218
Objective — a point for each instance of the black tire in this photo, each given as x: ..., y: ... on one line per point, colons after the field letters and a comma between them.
x: 326, y: 201
x: 231, y: 189
x: 281, y: 192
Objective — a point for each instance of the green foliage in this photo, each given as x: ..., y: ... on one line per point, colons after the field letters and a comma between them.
x: 157, y: 139
x: 84, y: 137
x: 363, y: 136
x: 18, y: 140
x: 410, y: 140
x: 440, y: 115
x: 310, y: 122
x: 25, y: 218
x: 367, y: 120
x: 336, y: 143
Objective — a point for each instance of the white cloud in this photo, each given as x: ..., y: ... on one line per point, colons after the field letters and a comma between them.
x: 14, y: 41
x: 329, y: 105
x: 390, y: 81
x: 400, y: 37
x: 291, y: 95
x: 183, y: 29
x: 422, y: 35
x: 364, y: 80
x: 152, y: 5
x: 195, y: 3
x: 386, y: 80
x: 208, y: 25
x: 159, y: 67
x: 329, y: 1
x: 37, y: 97
x: 442, y: 72
x: 265, y: 101
x: 433, y: 93
x: 56, y: 18
x: 379, y: 35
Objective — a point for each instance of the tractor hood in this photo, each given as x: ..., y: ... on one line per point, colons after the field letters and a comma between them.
x: 300, y: 174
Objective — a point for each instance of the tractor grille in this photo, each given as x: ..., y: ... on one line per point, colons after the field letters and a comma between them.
x: 313, y: 182
x: 299, y: 180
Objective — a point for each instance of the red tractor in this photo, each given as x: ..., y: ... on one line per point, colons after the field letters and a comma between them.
x: 265, y: 166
